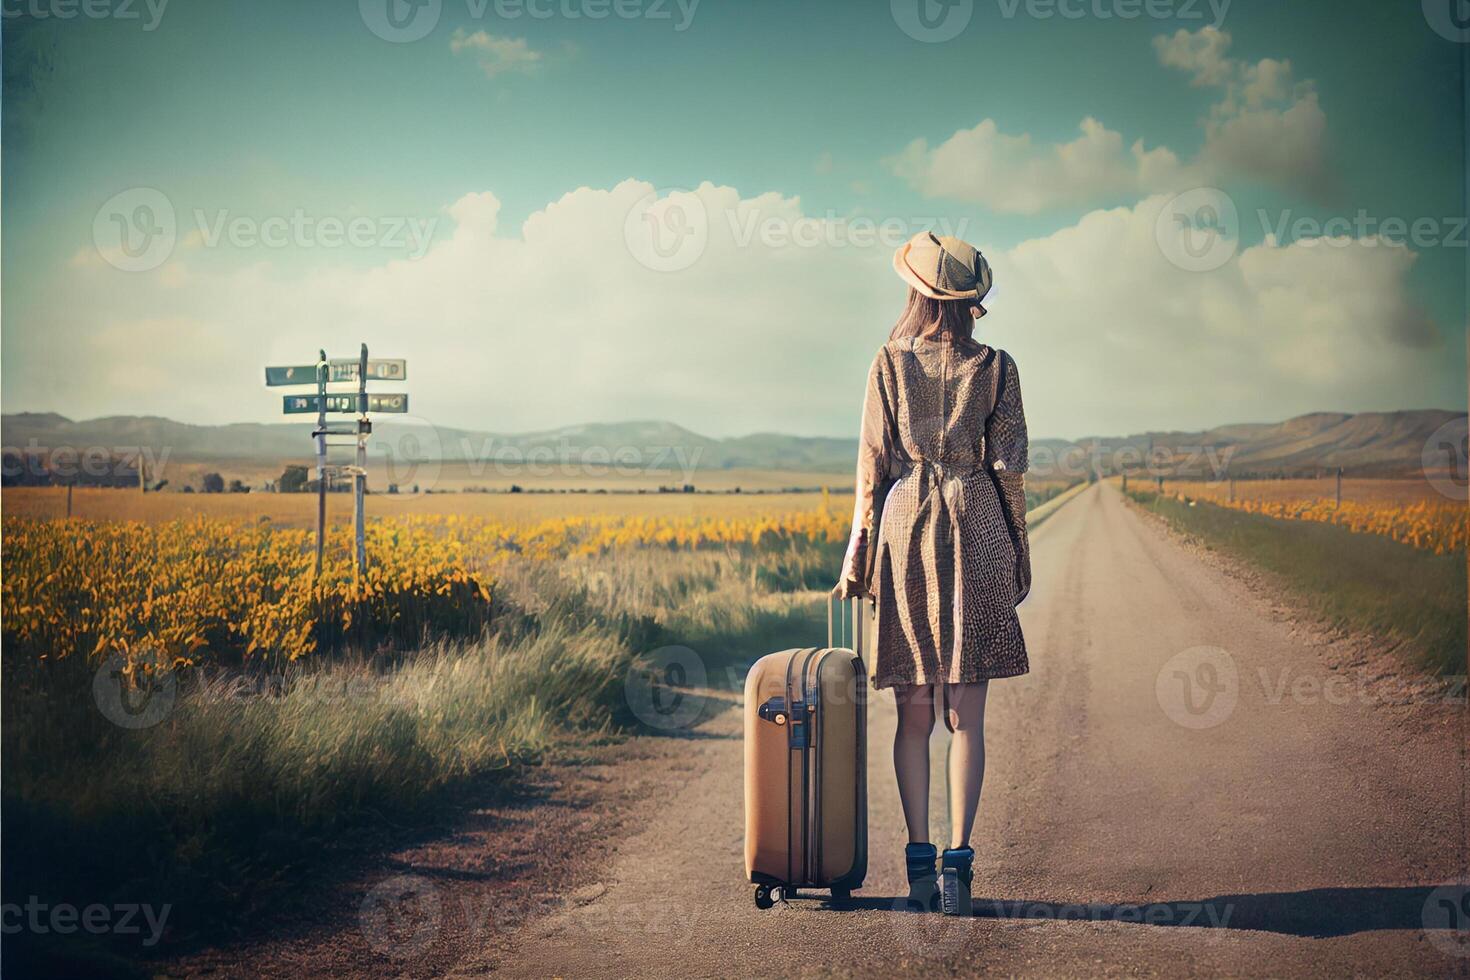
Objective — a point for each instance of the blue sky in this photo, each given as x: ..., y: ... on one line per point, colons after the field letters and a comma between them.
x: 789, y: 112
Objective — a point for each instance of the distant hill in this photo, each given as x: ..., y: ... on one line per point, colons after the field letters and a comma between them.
x: 1366, y: 443
x: 645, y: 442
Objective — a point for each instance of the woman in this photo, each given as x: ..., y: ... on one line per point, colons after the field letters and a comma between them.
x: 939, y: 539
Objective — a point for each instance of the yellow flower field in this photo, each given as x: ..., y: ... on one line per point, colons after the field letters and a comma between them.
x: 188, y: 591
x: 1407, y: 512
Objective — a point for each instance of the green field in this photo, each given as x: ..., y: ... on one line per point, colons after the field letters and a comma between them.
x: 1402, y: 594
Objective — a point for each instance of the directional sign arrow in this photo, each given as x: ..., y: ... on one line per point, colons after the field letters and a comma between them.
x: 345, y: 403
x: 339, y: 369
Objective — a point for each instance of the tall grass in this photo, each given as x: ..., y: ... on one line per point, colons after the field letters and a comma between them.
x: 1356, y: 581
x: 252, y: 776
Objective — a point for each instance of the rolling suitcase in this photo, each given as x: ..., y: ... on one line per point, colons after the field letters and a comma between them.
x: 806, y: 794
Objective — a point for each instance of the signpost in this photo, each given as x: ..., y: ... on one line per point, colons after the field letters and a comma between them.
x: 339, y: 403
x: 359, y: 370
x: 338, y: 369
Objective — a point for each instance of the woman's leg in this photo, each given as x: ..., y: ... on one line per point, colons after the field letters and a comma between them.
x: 966, y: 706
x: 911, y: 756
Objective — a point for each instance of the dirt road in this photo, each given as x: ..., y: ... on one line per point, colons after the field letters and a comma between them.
x: 1186, y: 783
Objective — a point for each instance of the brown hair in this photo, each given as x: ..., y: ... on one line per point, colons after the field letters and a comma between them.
x: 921, y: 314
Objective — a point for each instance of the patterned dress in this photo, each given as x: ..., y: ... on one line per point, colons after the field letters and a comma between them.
x: 948, y: 572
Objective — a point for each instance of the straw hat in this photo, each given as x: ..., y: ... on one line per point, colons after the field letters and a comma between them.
x: 943, y: 267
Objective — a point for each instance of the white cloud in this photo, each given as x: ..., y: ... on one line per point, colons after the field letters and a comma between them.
x: 560, y: 324
x: 1013, y: 174
x: 1266, y: 126
x: 496, y: 55
x: 1113, y: 338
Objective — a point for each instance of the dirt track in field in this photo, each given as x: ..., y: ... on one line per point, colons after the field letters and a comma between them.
x: 1189, y: 782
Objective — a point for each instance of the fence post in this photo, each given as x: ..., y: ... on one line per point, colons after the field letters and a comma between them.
x: 1339, y: 486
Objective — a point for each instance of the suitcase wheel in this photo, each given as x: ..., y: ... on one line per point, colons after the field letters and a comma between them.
x: 763, y: 899
x: 841, y: 894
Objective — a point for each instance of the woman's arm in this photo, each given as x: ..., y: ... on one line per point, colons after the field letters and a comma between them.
x: 873, y: 468
x: 1007, y: 453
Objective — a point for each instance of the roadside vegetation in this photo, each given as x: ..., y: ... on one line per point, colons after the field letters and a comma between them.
x: 189, y: 721
x: 1355, y: 580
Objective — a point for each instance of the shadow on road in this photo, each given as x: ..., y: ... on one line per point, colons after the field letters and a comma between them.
x: 1316, y: 913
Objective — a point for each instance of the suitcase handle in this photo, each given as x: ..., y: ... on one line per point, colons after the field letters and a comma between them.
x: 847, y: 629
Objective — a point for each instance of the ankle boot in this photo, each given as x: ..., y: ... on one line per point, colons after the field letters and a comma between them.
x: 957, y: 873
x: 923, y: 886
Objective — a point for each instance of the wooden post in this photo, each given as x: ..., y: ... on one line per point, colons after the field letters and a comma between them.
x: 1232, y: 489
x: 1339, y: 486
x: 142, y: 476
x: 1161, y: 483
x: 68, y: 501
x: 1125, y: 481
x: 321, y: 458
x: 359, y: 478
